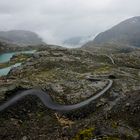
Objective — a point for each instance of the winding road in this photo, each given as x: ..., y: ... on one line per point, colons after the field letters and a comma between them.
x: 111, y: 59
x: 48, y: 102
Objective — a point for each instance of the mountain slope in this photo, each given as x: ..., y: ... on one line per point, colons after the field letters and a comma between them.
x: 127, y: 32
x: 20, y: 37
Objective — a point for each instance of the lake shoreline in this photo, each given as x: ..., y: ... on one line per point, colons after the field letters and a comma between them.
x: 6, y: 63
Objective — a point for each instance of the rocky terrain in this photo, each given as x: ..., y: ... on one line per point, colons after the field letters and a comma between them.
x: 62, y: 73
x: 10, y: 47
x: 5, y: 47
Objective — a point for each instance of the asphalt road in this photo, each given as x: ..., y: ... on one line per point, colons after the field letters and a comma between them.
x: 49, y: 103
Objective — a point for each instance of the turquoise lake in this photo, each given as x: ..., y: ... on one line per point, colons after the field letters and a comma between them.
x: 5, y: 71
x: 6, y: 57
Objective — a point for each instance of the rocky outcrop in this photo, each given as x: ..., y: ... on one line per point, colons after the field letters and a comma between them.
x: 62, y: 73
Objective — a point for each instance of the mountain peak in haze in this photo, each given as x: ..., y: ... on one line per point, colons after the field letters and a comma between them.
x: 126, y: 32
x: 20, y: 37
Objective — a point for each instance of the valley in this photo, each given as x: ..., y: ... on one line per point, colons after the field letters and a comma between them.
x: 92, y: 92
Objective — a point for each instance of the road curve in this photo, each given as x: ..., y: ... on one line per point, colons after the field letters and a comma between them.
x: 49, y: 103
x: 110, y: 57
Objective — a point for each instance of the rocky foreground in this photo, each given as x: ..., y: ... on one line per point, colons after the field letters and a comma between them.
x: 62, y: 73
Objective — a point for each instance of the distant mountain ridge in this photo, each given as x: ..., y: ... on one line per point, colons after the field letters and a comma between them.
x: 73, y: 41
x: 20, y: 37
x: 126, y: 32
x: 77, y: 41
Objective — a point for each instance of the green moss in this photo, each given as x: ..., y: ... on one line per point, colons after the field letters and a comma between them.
x: 85, y: 134
x: 88, y: 134
x: 24, y: 125
x: 114, y: 124
x: 103, y: 69
x: 4, y: 65
x: 40, y: 114
x: 110, y: 138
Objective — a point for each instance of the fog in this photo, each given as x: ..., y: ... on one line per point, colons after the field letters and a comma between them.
x: 57, y: 20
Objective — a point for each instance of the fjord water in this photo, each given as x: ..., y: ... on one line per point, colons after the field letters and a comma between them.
x: 6, y: 57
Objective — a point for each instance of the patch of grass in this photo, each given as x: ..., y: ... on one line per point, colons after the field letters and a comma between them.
x: 85, y: 134
x: 103, y: 69
x: 114, y: 124
x: 110, y: 138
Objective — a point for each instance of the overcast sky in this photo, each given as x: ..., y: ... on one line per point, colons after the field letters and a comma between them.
x: 57, y: 20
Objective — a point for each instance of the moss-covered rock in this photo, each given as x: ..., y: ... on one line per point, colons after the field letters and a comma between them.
x: 85, y: 134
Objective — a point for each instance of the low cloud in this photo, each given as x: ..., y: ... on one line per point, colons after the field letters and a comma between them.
x: 57, y: 20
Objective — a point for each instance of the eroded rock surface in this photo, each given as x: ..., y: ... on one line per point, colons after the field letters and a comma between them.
x: 62, y: 73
